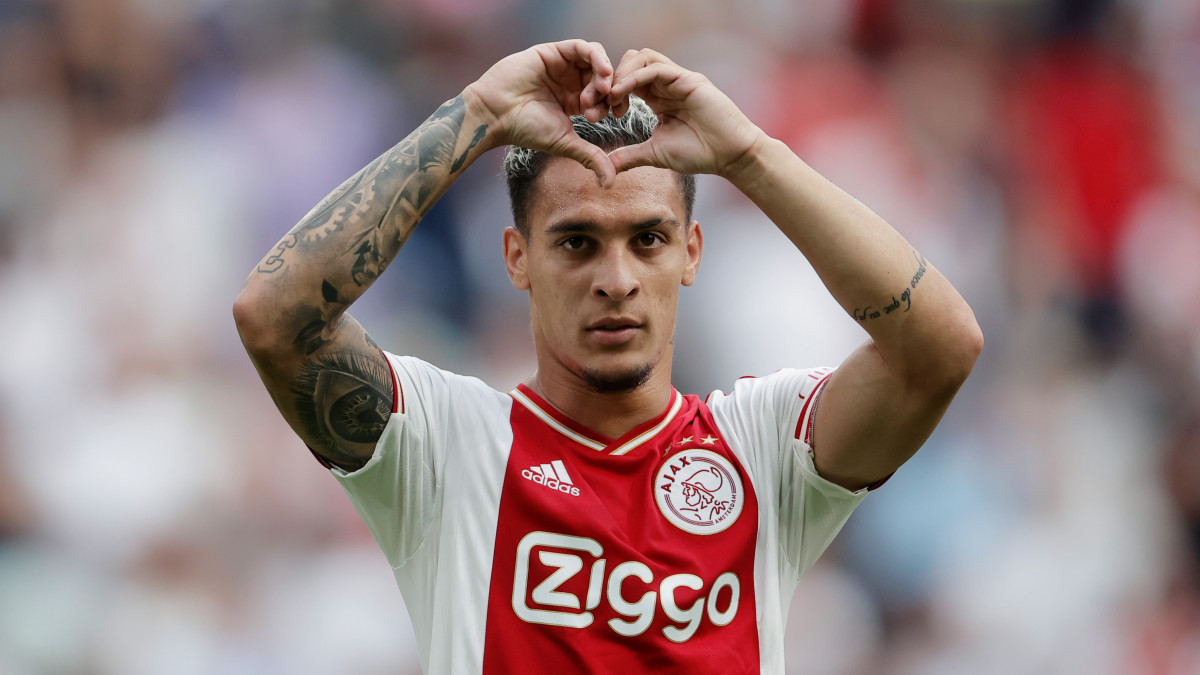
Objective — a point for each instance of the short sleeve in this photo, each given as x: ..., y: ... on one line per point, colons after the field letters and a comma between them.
x: 397, y: 492
x: 768, y: 421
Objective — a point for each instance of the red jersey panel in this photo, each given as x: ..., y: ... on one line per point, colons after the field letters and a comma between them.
x: 632, y: 551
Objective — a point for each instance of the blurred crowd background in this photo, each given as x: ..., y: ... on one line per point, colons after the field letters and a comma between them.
x: 157, y: 516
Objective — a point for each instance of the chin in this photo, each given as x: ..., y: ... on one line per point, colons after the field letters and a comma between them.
x: 617, y: 380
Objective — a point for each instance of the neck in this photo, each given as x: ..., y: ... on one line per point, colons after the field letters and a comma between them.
x: 612, y: 414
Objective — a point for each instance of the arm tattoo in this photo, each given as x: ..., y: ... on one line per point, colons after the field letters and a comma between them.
x: 342, y: 397
x: 343, y: 405
x: 314, y: 331
x: 373, y: 212
x: 328, y: 291
x: 867, y: 313
x: 274, y: 261
x: 309, y: 339
x: 479, y: 133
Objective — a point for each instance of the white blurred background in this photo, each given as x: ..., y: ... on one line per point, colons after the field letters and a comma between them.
x: 157, y: 516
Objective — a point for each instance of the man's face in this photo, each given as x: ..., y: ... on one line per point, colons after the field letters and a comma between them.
x: 603, y: 270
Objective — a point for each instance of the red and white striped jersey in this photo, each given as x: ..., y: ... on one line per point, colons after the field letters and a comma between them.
x: 523, y: 542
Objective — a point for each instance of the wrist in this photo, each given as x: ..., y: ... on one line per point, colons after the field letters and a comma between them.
x: 755, y: 168
x: 750, y: 166
x: 479, y: 114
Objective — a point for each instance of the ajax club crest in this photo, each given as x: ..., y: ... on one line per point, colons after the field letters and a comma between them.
x: 699, y: 491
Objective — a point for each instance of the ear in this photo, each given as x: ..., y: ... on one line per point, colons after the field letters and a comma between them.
x: 515, y: 259
x: 695, y: 247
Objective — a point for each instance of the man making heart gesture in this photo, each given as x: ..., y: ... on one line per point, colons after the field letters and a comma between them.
x: 594, y: 519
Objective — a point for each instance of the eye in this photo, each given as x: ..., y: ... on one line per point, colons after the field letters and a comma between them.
x: 650, y: 240
x: 575, y: 243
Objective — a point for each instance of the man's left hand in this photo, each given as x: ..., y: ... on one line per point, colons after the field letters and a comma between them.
x: 700, y: 129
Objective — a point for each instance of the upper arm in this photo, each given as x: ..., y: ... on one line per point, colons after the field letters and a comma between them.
x: 334, y: 387
x: 870, y: 418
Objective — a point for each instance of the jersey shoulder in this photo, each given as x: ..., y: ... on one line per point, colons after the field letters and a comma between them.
x: 785, y: 398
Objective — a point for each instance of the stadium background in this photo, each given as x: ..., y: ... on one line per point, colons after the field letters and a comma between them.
x: 156, y: 516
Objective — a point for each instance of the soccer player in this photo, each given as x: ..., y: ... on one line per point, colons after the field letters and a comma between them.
x: 594, y: 519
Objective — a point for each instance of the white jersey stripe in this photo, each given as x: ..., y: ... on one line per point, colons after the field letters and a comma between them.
x: 651, y: 433
x: 555, y: 424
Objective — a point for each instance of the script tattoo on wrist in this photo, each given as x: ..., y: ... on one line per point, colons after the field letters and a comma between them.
x: 343, y: 406
x: 903, y: 301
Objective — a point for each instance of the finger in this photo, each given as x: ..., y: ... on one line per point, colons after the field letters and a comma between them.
x: 636, y: 59
x: 586, y: 73
x: 620, y: 107
x: 633, y: 61
x: 632, y: 156
x: 591, y: 156
x: 594, y: 98
x: 572, y: 93
x: 595, y: 113
x: 663, y: 78
x: 592, y: 103
x: 602, y: 70
x: 580, y: 97
x: 588, y: 56
x: 586, y: 99
x: 630, y: 61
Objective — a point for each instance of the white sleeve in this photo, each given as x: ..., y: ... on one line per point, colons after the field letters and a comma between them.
x: 397, y: 492
x: 768, y: 421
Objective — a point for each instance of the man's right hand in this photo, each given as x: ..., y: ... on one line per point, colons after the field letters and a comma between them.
x: 527, y: 99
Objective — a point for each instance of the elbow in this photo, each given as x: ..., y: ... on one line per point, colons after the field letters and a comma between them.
x: 958, y: 353
x: 940, y: 367
x: 971, y: 347
x: 249, y: 316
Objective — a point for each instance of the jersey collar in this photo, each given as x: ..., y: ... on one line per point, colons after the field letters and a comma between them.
x: 590, y: 439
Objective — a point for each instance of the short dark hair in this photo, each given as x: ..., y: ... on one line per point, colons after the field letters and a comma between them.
x: 522, y: 166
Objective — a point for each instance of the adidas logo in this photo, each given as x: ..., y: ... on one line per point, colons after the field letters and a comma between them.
x: 553, y: 475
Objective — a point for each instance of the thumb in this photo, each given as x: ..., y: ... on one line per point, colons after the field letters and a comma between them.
x: 633, y: 156
x: 592, y: 157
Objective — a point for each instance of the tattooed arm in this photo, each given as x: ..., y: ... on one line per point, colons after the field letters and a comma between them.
x: 887, y: 397
x: 324, y: 373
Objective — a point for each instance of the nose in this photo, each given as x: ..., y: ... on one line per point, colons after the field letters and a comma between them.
x: 616, y: 277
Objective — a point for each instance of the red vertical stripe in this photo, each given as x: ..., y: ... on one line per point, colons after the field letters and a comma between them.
x: 397, y: 390
x: 812, y: 396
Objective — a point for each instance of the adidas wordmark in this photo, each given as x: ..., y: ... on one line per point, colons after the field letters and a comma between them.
x: 553, y: 475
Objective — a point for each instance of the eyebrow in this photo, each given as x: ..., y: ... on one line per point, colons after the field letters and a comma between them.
x: 590, y: 227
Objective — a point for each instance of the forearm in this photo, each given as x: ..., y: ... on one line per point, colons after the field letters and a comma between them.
x: 918, y: 322
x: 343, y: 244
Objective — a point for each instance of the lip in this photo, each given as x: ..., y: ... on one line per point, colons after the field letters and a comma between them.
x: 613, y: 330
x: 614, y: 323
